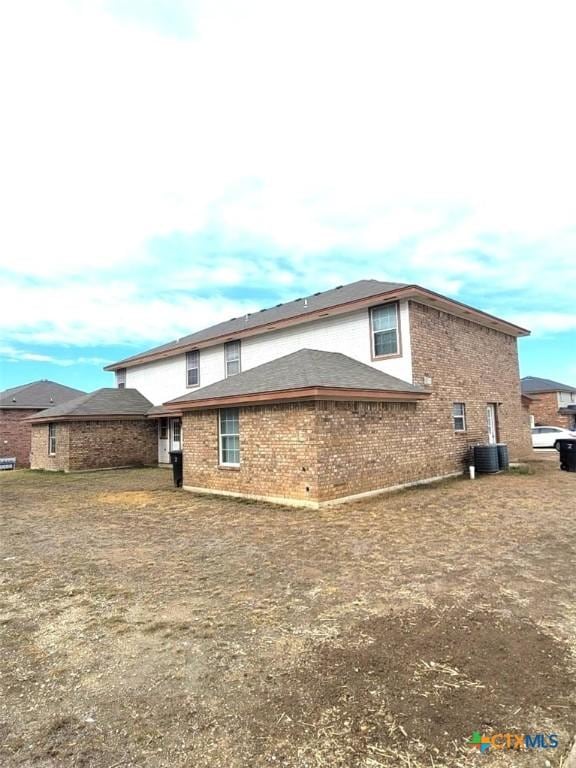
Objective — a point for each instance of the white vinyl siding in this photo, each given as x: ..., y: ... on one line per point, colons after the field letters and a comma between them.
x: 193, y: 368
x: 350, y: 334
x: 232, y: 358
x: 384, y: 326
x: 51, y: 439
x: 459, y: 417
x: 229, y: 437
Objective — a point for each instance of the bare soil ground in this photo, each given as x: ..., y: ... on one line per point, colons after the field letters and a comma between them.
x: 141, y: 625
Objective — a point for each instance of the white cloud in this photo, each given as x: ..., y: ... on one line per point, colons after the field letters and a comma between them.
x: 11, y: 354
x: 398, y: 135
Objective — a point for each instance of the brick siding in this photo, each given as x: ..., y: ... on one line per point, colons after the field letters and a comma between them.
x: 472, y: 364
x: 327, y: 450
x: 278, y: 452
x: 545, y: 411
x: 15, y: 434
x: 82, y: 445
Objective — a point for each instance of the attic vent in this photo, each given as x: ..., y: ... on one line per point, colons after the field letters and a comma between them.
x: 317, y: 293
x: 232, y: 318
x: 279, y: 305
x: 261, y: 310
x: 300, y: 299
x: 338, y: 287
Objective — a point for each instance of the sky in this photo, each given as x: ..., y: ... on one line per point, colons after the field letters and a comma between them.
x: 167, y: 164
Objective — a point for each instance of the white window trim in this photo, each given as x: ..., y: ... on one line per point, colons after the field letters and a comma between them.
x: 221, y: 462
x: 52, y: 446
x: 121, y: 378
x: 459, y: 416
x: 373, y: 333
x: 227, y: 346
x: 196, y: 367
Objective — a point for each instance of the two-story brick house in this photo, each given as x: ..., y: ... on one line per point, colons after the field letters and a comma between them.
x: 349, y: 391
x: 551, y: 403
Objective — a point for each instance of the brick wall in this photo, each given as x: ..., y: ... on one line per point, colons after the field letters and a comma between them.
x: 472, y: 364
x: 39, y: 458
x: 15, y: 434
x: 278, y: 452
x: 545, y: 411
x: 82, y: 445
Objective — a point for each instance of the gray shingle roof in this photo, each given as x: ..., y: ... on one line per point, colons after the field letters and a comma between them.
x: 38, y: 394
x: 361, y: 289
x: 300, y: 370
x: 535, y: 384
x: 107, y: 401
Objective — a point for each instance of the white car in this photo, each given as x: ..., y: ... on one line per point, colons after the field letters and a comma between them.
x: 546, y: 437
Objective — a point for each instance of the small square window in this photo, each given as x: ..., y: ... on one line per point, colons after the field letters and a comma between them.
x: 459, y: 417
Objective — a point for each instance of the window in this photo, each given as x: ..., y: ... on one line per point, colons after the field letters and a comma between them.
x: 384, y: 322
x: 564, y: 398
x: 193, y: 368
x: 459, y: 417
x: 176, y: 432
x: 51, y: 439
x: 163, y: 429
x: 232, y: 357
x: 229, y: 433
x: 121, y: 378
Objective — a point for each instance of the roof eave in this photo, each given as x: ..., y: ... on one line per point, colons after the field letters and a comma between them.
x: 85, y: 417
x: 305, y: 393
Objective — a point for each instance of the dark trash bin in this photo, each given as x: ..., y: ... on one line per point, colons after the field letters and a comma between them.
x: 177, y: 467
x: 503, y: 458
x: 567, y: 449
x: 486, y: 459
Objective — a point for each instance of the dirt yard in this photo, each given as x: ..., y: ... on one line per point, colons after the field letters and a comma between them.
x: 143, y: 626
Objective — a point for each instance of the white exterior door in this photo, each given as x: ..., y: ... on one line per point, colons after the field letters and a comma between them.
x: 163, y: 442
x: 175, y: 435
x: 491, y: 423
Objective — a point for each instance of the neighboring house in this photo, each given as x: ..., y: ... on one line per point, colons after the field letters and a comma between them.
x: 105, y: 429
x: 349, y: 391
x: 16, y: 404
x: 552, y: 403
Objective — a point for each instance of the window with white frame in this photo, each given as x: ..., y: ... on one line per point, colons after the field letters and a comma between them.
x: 565, y: 398
x: 232, y: 357
x: 52, y: 439
x: 121, y: 378
x: 229, y: 437
x: 193, y: 368
x: 384, y: 326
x: 459, y: 417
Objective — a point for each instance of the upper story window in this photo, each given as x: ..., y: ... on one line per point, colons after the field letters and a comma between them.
x: 566, y: 398
x: 459, y: 417
x: 232, y: 358
x: 229, y: 434
x: 51, y: 439
x: 193, y: 368
x: 384, y: 329
x: 121, y: 378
